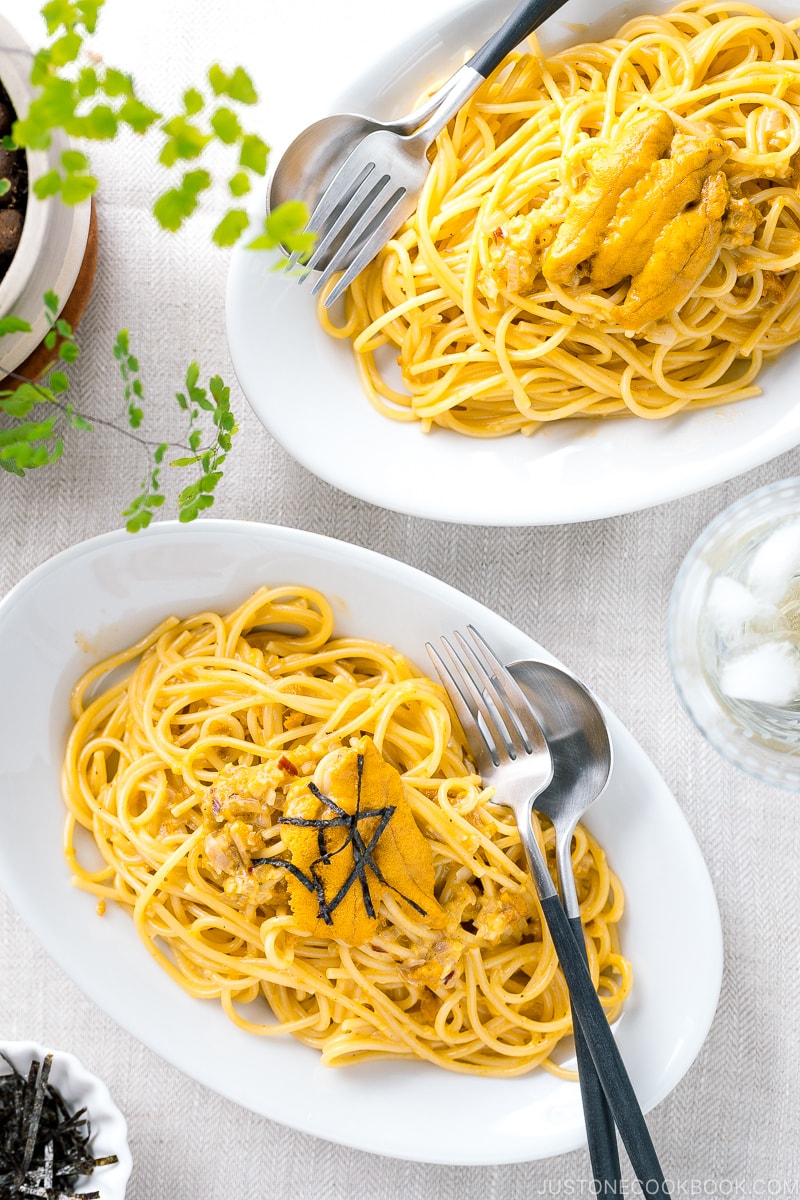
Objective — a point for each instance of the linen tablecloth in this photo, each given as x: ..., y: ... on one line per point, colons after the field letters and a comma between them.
x: 594, y: 594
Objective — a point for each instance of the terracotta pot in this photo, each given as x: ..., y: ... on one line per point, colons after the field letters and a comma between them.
x: 54, y: 237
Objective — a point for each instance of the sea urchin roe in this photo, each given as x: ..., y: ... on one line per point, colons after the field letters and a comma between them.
x: 352, y: 843
x: 612, y: 171
x: 44, y: 1146
x: 652, y: 211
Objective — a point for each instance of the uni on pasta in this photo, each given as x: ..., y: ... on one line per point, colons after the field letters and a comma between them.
x: 611, y: 230
x: 294, y: 824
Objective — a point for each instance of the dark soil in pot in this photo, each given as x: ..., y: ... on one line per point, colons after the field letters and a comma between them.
x: 13, y: 201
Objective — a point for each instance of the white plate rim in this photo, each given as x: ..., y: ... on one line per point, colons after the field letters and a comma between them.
x: 498, y: 1136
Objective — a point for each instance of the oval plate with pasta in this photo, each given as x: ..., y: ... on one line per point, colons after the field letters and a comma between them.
x: 624, y: 378
x: 115, y: 589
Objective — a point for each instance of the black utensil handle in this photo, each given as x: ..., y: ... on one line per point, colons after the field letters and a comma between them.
x: 600, y: 1131
x: 523, y: 20
x: 605, y: 1053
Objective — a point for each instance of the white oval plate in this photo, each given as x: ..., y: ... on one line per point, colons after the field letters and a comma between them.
x: 304, y: 386
x: 104, y: 594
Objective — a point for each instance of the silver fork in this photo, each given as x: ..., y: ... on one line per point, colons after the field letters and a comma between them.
x: 376, y: 188
x: 511, y: 754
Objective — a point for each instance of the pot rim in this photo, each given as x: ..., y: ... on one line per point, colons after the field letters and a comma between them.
x: 54, y: 236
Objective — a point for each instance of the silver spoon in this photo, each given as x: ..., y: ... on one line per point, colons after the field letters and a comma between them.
x: 310, y: 162
x: 577, y: 736
x: 380, y: 175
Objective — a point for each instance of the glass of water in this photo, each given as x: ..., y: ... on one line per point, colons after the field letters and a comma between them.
x: 734, y: 633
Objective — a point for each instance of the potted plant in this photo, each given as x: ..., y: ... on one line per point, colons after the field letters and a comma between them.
x: 48, y: 244
x: 66, y: 98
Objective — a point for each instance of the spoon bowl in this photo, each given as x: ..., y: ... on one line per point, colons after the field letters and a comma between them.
x: 577, y: 734
x: 310, y: 163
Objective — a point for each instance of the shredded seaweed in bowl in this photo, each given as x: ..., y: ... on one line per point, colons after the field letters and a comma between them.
x: 44, y: 1146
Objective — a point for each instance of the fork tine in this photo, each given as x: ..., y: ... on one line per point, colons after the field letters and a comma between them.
x: 372, y: 230
x: 483, y: 753
x: 484, y: 706
x: 491, y: 696
x: 373, y: 240
x: 346, y: 217
x: 516, y: 702
x: 327, y: 209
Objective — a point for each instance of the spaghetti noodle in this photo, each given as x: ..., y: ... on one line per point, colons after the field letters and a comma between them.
x: 611, y: 230
x: 291, y: 817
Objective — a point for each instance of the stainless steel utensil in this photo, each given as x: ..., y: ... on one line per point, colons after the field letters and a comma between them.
x: 310, y: 162
x: 577, y: 736
x: 498, y: 722
x: 377, y: 186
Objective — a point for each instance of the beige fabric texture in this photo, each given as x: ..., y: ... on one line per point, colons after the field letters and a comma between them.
x: 594, y: 594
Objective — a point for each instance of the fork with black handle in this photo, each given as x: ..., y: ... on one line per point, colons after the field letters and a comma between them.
x: 377, y: 187
x: 511, y: 754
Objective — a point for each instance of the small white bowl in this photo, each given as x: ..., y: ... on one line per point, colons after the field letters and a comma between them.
x: 80, y: 1089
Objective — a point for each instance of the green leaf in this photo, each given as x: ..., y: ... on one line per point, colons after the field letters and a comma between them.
x: 193, y: 102
x: 77, y: 188
x: 219, y: 390
x: 28, y: 431
x: 74, y: 160
x: 117, y: 83
x: 58, y: 381
x: 13, y: 324
x: 17, y: 406
x: 253, y: 154
x: 285, y: 226
x: 226, y: 125
x: 65, y: 49
x: 138, y: 116
x: 238, y: 85
x: 174, y: 206
x: 88, y: 82
x: 54, y: 106
x: 184, y: 141
x: 210, y: 481
x: 5, y: 186
x: 231, y: 227
x: 51, y: 302
x: 239, y: 184
x: 139, y: 521
x: 26, y: 395
x: 100, y: 123
x: 40, y: 68
x: 89, y: 10
x: 48, y: 184
x: 57, y: 13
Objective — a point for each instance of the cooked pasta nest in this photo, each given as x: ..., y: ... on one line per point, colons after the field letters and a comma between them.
x: 220, y: 748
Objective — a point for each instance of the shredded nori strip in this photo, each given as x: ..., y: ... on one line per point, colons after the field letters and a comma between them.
x: 44, y: 1148
x: 362, y: 851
